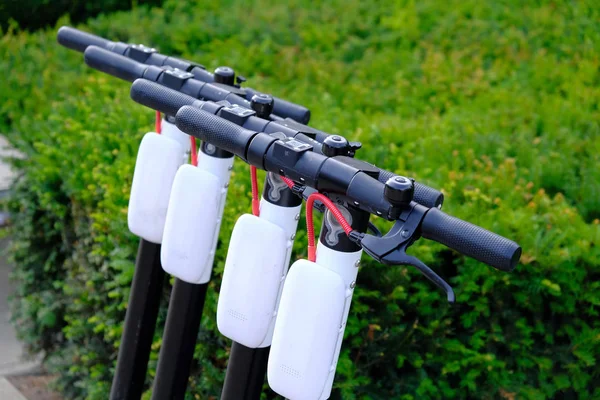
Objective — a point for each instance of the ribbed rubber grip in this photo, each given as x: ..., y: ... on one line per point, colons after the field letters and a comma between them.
x: 424, y: 195
x: 161, y: 98
x: 113, y: 64
x: 285, y: 109
x: 214, y: 130
x: 471, y: 240
x: 427, y: 195
x: 78, y: 40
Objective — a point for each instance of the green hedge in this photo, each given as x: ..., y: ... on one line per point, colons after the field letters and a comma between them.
x: 495, y: 102
x: 35, y: 14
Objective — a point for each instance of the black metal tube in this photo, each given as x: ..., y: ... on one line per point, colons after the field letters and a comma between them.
x: 246, y: 370
x: 179, y: 339
x: 247, y: 367
x: 140, y: 322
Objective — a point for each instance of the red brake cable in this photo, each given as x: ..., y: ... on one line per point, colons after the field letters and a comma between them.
x: 255, y: 201
x: 158, y: 123
x: 310, y: 228
x: 194, y: 151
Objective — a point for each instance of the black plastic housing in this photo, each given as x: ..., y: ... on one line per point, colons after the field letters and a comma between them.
x: 285, y: 108
x: 423, y: 194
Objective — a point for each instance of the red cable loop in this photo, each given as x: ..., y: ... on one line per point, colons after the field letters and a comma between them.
x: 158, y: 123
x: 288, y: 182
x: 194, y: 151
x: 310, y: 228
x: 255, y: 201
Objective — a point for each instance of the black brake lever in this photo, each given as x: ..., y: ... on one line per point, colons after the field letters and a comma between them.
x: 391, y: 248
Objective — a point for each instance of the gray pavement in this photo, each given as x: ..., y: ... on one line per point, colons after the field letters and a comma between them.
x: 12, y: 356
x: 9, y: 392
x: 6, y: 173
x: 13, y: 359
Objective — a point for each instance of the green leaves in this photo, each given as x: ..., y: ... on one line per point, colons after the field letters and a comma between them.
x: 496, y: 103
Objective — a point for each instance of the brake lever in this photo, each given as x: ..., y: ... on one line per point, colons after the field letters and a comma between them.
x: 391, y: 248
x: 399, y: 257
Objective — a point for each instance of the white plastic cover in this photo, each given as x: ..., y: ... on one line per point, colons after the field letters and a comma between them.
x: 254, y: 272
x: 306, y: 331
x: 172, y: 132
x: 191, y: 223
x: 157, y: 162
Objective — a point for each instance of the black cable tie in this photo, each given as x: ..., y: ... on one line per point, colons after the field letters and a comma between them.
x: 298, y: 189
x: 356, y: 237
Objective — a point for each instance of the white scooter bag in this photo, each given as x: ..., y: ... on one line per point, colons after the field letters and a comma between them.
x: 157, y: 162
x: 191, y: 223
x: 252, y: 280
x: 307, y: 331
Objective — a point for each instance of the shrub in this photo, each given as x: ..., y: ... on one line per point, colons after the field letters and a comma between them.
x: 494, y: 102
x: 35, y: 14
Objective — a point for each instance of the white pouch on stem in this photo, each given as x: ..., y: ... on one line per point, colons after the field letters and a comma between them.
x: 307, y: 328
x: 172, y: 132
x: 191, y: 223
x: 157, y: 162
x: 254, y: 273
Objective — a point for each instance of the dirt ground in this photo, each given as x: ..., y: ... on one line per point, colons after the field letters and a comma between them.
x: 34, y: 387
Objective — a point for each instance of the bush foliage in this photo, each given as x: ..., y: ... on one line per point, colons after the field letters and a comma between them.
x: 35, y: 14
x: 495, y: 102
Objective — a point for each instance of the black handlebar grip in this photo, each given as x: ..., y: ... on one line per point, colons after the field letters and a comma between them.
x: 285, y: 109
x: 113, y: 64
x: 78, y: 40
x: 424, y: 195
x: 161, y: 98
x: 239, y: 100
x: 428, y: 196
x: 471, y: 240
x: 214, y: 130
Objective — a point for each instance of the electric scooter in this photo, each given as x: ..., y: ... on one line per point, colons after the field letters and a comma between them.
x: 306, y: 373
x: 159, y: 169
x: 317, y: 293
x: 251, y: 334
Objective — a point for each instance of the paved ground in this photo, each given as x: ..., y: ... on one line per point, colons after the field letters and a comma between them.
x: 12, y: 360
x: 6, y: 175
x: 9, y: 392
x: 34, y: 386
x: 11, y: 351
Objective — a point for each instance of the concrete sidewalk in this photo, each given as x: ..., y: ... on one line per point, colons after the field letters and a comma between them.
x: 9, y: 392
x: 12, y: 356
x: 11, y: 351
x: 6, y: 174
